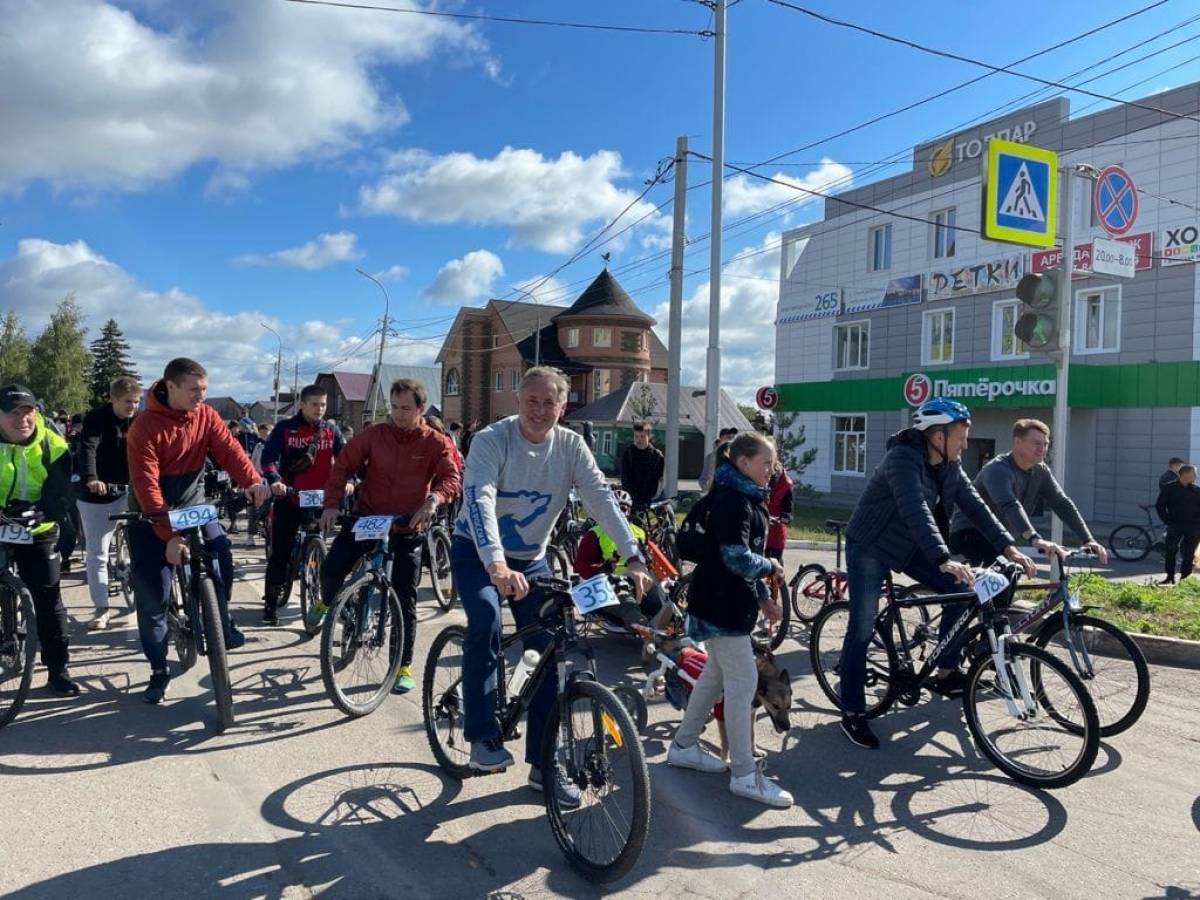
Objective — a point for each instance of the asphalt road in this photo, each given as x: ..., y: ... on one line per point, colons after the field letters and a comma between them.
x: 105, y: 796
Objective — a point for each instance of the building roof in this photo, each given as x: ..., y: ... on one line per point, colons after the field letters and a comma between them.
x: 521, y: 319
x: 227, y: 407
x: 605, y: 297
x: 550, y: 353
x: 353, y: 385
x: 617, y: 408
x: 430, y: 376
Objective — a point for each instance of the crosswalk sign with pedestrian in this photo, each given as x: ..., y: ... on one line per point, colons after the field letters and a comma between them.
x: 1020, y: 194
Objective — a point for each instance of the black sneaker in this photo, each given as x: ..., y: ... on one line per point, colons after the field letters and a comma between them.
x: 269, y: 616
x: 234, y: 639
x: 951, y: 685
x: 1169, y: 580
x: 160, y: 683
x: 61, y: 683
x: 859, y: 732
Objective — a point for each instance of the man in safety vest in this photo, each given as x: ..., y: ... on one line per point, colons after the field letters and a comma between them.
x: 35, y: 478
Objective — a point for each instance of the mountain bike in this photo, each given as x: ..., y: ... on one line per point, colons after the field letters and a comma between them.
x: 435, y: 557
x: 119, y: 567
x: 765, y: 631
x: 658, y: 521
x: 1133, y: 543
x: 195, y: 625
x: 1027, y: 711
x: 363, y: 630
x: 813, y: 587
x: 308, y: 552
x: 590, y: 736
x: 18, y: 634
x: 569, y: 528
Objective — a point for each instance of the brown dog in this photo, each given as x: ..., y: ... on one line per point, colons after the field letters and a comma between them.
x: 773, y: 693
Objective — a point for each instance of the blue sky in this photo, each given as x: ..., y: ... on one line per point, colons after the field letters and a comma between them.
x: 195, y: 168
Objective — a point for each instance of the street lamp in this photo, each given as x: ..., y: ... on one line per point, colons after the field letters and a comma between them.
x: 387, y: 304
x: 278, y: 364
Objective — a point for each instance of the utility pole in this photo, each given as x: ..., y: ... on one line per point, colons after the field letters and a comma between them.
x: 296, y: 382
x: 713, y: 358
x: 382, y: 341
x: 1062, y: 362
x: 675, y: 320
x: 278, y: 364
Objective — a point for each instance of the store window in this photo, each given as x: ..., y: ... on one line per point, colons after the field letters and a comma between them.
x: 944, y: 232
x: 880, y: 247
x: 1098, y: 320
x: 1005, y: 343
x: 937, y: 337
x: 851, y: 345
x: 849, y: 445
x: 601, y: 337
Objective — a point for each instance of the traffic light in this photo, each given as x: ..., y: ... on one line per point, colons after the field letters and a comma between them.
x: 1037, y: 325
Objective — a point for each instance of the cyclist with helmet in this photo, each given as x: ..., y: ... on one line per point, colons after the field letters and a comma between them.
x: 598, y: 553
x: 899, y: 525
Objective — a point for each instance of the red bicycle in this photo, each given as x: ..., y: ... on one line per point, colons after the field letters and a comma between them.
x: 813, y: 587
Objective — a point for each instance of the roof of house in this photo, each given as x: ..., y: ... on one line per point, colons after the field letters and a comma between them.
x: 353, y: 385
x: 227, y: 407
x: 605, y: 297
x: 616, y: 407
x: 550, y: 353
x: 521, y: 319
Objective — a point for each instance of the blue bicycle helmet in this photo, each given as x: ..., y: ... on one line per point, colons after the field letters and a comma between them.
x: 939, y: 411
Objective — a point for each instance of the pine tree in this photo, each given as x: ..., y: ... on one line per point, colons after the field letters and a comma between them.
x: 14, y: 350
x: 110, y: 358
x: 59, y: 360
x: 790, y: 442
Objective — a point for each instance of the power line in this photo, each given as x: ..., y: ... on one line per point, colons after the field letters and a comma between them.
x: 947, y: 54
x: 507, y: 20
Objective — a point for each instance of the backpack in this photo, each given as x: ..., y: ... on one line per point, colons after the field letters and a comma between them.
x: 692, y: 540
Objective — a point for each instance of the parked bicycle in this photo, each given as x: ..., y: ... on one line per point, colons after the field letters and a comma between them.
x: 1133, y: 543
x: 18, y: 634
x: 363, y: 629
x: 120, y: 579
x: 308, y: 552
x: 813, y: 587
x: 1027, y: 710
x: 589, y: 735
x: 195, y: 626
x: 435, y: 557
x: 658, y: 521
x: 765, y: 631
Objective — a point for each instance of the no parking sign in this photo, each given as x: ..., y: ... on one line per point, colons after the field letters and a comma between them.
x: 1116, y: 200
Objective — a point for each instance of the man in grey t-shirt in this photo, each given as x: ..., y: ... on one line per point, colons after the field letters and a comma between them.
x: 1013, y: 483
x: 518, y: 478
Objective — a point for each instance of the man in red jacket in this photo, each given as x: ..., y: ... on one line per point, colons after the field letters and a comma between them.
x: 167, y: 445
x: 408, y: 469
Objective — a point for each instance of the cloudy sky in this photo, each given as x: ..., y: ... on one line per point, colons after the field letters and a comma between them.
x: 197, y: 170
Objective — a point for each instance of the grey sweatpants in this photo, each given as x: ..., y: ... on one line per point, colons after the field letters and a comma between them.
x: 98, y: 531
x: 730, y: 668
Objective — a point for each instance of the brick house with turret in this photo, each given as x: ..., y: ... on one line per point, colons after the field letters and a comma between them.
x: 603, y: 342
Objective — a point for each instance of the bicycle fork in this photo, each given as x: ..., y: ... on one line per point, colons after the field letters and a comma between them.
x: 1000, y: 659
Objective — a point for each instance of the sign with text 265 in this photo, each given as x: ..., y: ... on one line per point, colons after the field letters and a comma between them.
x: 821, y: 306
x: 1044, y: 260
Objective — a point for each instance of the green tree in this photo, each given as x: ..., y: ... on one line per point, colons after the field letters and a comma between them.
x: 14, y: 350
x: 110, y: 358
x: 642, y: 403
x: 790, y: 443
x: 59, y: 361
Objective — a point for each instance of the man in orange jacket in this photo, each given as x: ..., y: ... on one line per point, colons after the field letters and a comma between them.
x: 408, y: 470
x: 166, y: 446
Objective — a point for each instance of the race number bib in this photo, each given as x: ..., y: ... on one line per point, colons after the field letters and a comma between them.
x: 989, y: 584
x: 15, y: 534
x: 593, y: 594
x: 192, y: 516
x: 311, y: 499
x: 222, y: 476
x: 372, y: 528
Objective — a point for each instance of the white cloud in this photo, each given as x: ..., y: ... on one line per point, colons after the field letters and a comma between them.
x: 749, y: 297
x: 159, y: 325
x: 393, y: 273
x: 547, y: 203
x: 746, y: 195
x: 466, y: 279
x: 325, y: 250
x: 133, y: 92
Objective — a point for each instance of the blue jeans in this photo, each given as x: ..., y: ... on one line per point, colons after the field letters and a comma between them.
x: 481, y: 601
x: 865, y: 577
x: 152, y: 575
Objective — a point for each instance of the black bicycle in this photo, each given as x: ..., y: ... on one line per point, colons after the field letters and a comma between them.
x: 363, y: 631
x: 1133, y: 543
x: 590, y: 737
x: 119, y: 567
x: 658, y: 521
x: 18, y: 636
x: 195, y: 626
x: 1027, y: 711
x: 435, y: 557
x: 308, y: 553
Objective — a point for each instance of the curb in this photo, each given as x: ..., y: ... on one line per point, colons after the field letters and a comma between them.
x: 810, y: 545
x: 1168, y: 651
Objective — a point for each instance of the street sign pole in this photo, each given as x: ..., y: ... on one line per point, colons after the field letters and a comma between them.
x: 675, y: 320
x: 1062, y: 364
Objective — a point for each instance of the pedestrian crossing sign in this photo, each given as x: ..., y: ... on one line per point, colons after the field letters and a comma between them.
x: 1020, y: 194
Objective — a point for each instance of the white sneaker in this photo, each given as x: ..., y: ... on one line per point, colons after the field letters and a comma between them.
x: 695, y: 757
x: 100, y: 621
x: 757, y: 786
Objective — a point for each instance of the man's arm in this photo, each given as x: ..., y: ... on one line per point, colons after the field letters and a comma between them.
x: 447, y: 482
x: 142, y: 453
x: 89, y: 443
x: 56, y: 490
x: 979, y: 514
x: 480, y: 478
x: 998, y: 480
x: 1163, y: 504
x: 904, y: 475
x: 1064, y: 507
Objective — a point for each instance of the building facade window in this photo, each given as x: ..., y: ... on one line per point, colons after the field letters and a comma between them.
x: 601, y: 337
x: 880, y: 247
x: 851, y: 346
x: 453, y: 383
x: 944, y: 233
x: 1005, y: 343
x: 606, y: 443
x: 572, y: 337
x: 1098, y: 320
x: 498, y: 380
x: 515, y: 379
x: 601, y: 383
x: 937, y: 337
x: 495, y: 341
x: 849, y: 445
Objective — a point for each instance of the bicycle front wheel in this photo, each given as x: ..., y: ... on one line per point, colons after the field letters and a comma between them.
x: 121, y: 565
x: 18, y: 643
x: 1042, y: 732
x: 310, y: 581
x: 810, y: 592
x: 560, y: 565
x: 360, y: 645
x: 214, y: 648
x: 595, y: 748
x: 825, y: 650
x: 773, y: 633
x: 442, y: 705
x: 1130, y: 542
x: 441, y: 575
x: 1110, y: 665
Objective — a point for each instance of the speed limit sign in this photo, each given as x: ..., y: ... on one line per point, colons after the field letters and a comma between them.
x: 767, y: 398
